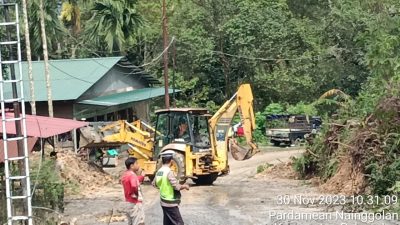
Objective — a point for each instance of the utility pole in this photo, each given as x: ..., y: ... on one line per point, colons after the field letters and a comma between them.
x: 165, y: 40
x: 173, y: 75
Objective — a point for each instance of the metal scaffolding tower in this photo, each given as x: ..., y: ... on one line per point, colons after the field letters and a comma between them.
x: 19, y: 207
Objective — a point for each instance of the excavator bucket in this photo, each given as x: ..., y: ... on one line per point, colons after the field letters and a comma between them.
x: 238, y: 152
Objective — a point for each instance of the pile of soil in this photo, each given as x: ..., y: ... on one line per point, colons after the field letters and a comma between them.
x: 347, y: 180
x: 368, y: 143
x: 87, y: 177
x: 281, y: 170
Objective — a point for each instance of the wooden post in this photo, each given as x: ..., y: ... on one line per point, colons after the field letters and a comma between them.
x: 165, y: 39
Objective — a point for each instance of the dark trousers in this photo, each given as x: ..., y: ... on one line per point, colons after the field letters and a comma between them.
x: 172, y: 216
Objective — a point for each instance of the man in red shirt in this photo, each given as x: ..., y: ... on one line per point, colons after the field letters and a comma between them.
x: 133, y: 196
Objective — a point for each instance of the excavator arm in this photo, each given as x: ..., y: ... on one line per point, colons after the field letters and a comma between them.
x: 220, y: 126
x: 139, y: 140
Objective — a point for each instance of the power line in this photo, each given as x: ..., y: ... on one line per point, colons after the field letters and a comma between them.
x: 155, y: 59
x: 136, y: 66
x: 161, y: 54
x: 255, y: 58
x: 99, y: 63
x: 70, y: 74
x: 212, y: 51
x: 265, y: 59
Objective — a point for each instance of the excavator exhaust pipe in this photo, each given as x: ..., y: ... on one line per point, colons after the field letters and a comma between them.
x: 240, y: 153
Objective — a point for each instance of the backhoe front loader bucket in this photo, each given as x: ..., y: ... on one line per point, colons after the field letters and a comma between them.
x: 240, y: 153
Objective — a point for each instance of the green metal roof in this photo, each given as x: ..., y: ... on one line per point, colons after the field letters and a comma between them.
x: 126, y: 97
x: 69, y: 78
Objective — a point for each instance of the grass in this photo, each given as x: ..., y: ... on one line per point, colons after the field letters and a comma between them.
x: 263, y: 167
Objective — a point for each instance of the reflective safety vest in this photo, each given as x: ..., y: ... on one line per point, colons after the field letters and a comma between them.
x: 167, y: 193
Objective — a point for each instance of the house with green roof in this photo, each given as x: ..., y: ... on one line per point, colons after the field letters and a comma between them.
x: 92, y: 89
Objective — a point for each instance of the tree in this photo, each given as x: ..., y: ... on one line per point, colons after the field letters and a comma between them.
x: 71, y: 16
x: 224, y: 43
x: 29, y: 57
x: 289, y: 50
x: 55, y: 31
x: 46, y: 58
x: 114, y: 23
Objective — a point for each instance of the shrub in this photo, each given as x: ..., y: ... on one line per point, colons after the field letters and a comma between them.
x: 263, y: 167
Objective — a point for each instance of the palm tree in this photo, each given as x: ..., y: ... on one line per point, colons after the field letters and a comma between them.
x: 46, y: 58
x: 55, y: 31
x: 29, y: 57
x: 71, y: 14
x: 114, y: 23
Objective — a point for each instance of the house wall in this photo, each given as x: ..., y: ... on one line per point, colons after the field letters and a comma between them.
x: 100, y: 113
x: 62, y: 109
x: 142, y: 110
x: 117, y: 80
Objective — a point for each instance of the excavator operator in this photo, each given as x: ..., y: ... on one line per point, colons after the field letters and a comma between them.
x: 182, y: 130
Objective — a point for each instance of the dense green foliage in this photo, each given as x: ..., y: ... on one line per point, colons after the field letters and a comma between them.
x: 366, y: 127
x: 368, y: 144
x: 289, y: 50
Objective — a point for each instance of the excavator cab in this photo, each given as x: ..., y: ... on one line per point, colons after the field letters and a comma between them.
x: 186, y: 131
x: 201, y: 149
x: 183, y: 126
x: 201, y: 141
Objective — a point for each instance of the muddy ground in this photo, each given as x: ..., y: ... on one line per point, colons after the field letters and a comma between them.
x: 240, y: 198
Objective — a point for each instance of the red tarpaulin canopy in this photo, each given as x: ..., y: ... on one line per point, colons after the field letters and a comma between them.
x: 42, y: 126
x: 36, y: 127
x: 13, y: 149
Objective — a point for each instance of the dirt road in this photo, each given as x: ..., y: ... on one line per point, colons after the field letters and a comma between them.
x: 238, y: 198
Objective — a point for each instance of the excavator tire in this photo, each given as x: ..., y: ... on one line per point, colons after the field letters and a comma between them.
x: 178, y: 166
x: 206, y: 179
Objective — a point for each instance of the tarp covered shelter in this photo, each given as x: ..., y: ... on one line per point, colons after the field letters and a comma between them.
x: 36, y: 127
x: 42, y: 126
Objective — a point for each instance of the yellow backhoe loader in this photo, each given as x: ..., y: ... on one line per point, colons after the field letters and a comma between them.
x: 138, y: 135
x: 200, y: 141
